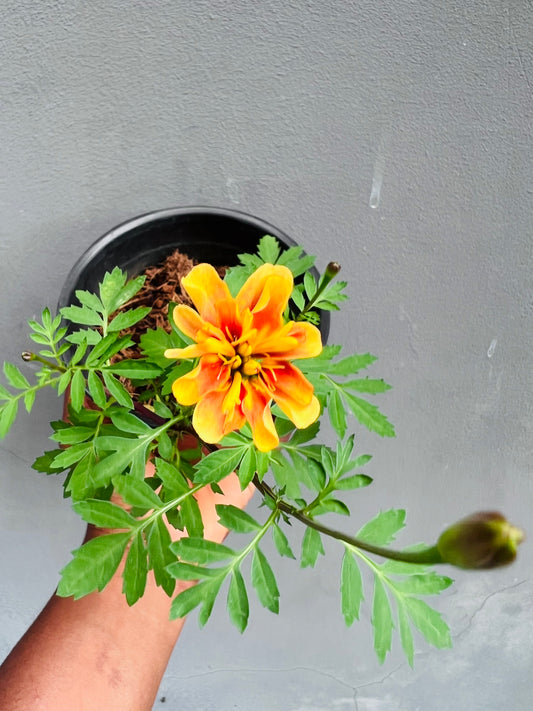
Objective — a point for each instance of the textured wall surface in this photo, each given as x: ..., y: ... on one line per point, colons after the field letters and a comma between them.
x: 394, y: 136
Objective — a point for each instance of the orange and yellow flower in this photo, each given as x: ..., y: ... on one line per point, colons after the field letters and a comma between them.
x: 244, y: 349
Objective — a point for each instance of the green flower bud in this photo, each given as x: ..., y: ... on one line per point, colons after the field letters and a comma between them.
x: 332, y: 270
x: 482, y: 540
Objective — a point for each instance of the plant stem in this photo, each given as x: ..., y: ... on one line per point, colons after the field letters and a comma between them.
x: 331, y: 271
x: 428, y: 555
x: 28, y: 357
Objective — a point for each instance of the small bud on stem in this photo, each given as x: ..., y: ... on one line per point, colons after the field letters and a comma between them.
x: 482, y: 540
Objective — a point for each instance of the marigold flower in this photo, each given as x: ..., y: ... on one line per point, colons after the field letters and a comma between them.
x: 245, y: 349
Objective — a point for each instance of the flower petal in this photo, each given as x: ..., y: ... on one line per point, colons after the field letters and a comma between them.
x: 266, y: 293
x: 210, y: 420
x: 209, y: 375
x: 292, y: 392
x: 205, y: 288
x: 187, y: 320
x: 256, y: 408
x: 309, y: 340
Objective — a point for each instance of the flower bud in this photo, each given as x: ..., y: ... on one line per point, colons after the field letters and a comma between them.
x: 481, y: 540
x: 332, y: 270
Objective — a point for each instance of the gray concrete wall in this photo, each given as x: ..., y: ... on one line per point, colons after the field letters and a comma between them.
x: 394, y: 136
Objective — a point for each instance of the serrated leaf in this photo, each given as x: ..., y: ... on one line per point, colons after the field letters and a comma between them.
x: 268, y: 249
x: 281, y: 542
x: 136, y: 493
x: 159, y: 555
x: 29, y: 399
x: 117, y: 390
x: 331, y: 506
x: 187, y: 601
x: 357, y: 481
x: 201, y: 551
x: 126, y: 422
x: 71, y: 455
x: 5, y: 394
x: 406, y: 636
x: 429, y: 622
x: 45, y: 462
x: 217, y: 465
x: 247, y: 468
x: 311, y: 548
x: 104, y: 514
x: 369, y: 415
x: 126, y: 319
x: 351, y: 364
x: 86, y: 298
x: 337, y: 413
x: 91, y: 336
x: 381, y: 620
x: 238, y: 607
x: 382, y: 529
x: 135, y: 369
x: 8, y: 414
x: 64, y: 382
x: 14, y: 377
x: 192, y: 517
x: 135, y: 570
x: 155, y: 342
x: 72, y: 435
x: 77, y: 390
x: 351, y: 588
x: 171, y: 476
x: 78, y: 353
x: 236, y: 520
x: 264, y: 581
x: 428, y: 584
x: 96, y: 390
x: 82, y: 315
x: 367, y: 385
x: 93, y: 565
x: 210, y: 592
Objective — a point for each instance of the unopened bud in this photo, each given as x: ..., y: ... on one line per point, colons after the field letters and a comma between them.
x: 27, y: 356
x: 332, y: 270
x: 482, y: 540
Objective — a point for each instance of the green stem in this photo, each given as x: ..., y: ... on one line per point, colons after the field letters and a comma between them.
x: 428, y: 555
x: 28, y: 357
x: 331, y: 271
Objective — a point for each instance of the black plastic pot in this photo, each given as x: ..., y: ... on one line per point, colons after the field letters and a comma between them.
x: 208, y: 234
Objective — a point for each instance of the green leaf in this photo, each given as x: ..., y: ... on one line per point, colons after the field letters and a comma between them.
x: 268, y: 249
x: 331, y: 506
x: 29, y: 399
x: 72, y: 435
x: 406, y: 636
x: 154, y: 343
x: 351, y: 588
x: 217, y: 465
x: 160, y: 556
x: 357, y: 481
x: 171, y: 476
x: 91, y: 337
x: 135, y: 570
x: 93, y: 565
x: 104, y: 514
x: 45, y: 463
x: 8, y: 414
x: 428, y: 584
x: 247, y: 467
x: 264, y: 582
x: 352, y: 364
x: 281, y: 542
x: 337, y: 413
x: 86, y: 298
x: 117, y: 390
x: 64, y: 382
x: 238, y: 608
x: 77, y: 390
x: 126, y: 319
x: 126, y: 422
x: 135, y: 369
x: 381, y: 620
x: 311, y: 548
x: 72, y: 455
x: 192, y: 517
x: 188, y: 571
x: 136, y: 492
x: 382, y: 529
x: 96, y: 390
x: 429, y: 622
x: 82, y: 315
x: 187, y: 601
x: 201, y: 551
x: 233, y: 518
x: 367, y: 385
x: 14, y: 377
x: 369, y: 416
